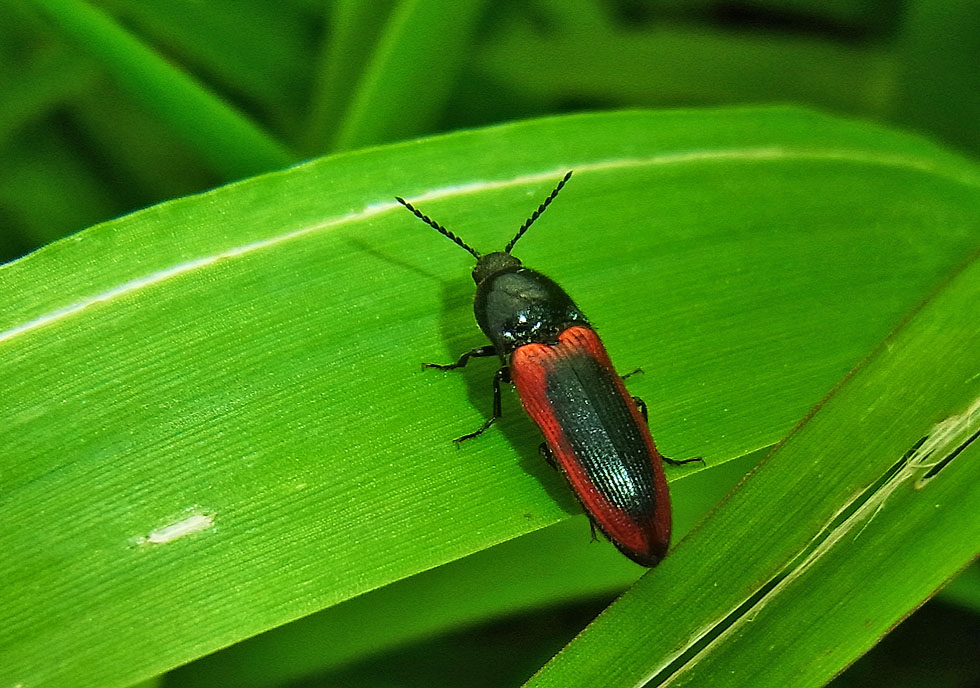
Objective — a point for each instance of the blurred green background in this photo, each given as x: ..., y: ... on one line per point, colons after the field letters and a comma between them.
x: 114, y: 105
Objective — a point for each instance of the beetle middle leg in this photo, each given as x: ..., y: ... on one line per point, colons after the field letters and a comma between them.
x: 503, y: 375
x: 545, y: 451
x: 642, y: 405
x: 594, y: 530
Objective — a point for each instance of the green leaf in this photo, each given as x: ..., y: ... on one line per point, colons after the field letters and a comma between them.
x: 354, y: 29
x: 513, y: 577
x: 213, y: 415
x: 853, y: 522
x: 600, y: 60
x: 937, y: 53
x: 411, y: 72
x: 255, y: 50
x: 964, y: 590
x: 224, y: 137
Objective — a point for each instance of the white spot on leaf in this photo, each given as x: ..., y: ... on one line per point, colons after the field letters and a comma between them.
x: 175, y: 531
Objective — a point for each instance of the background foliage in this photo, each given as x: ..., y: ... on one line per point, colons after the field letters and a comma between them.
x: 115, y: 105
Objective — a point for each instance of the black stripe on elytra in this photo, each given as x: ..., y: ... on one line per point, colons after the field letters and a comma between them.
x: 604, y: 436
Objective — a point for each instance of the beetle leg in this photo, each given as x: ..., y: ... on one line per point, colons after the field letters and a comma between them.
x: 642, y: 405
x: 595, y: 537
x: 632, y: 373
x: 673, y: 462
x: 503, y: 375
x: 681, y: 462
x: 478, y: 352
x: 546, y: 452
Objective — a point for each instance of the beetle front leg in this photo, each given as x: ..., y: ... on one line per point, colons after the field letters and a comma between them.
x: 503, y: 375
x: 478, y: 352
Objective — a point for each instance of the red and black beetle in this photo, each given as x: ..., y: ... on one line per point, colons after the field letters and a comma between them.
x: 594, y: 430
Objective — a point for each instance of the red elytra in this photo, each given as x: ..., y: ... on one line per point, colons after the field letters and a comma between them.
x: 627, y: 498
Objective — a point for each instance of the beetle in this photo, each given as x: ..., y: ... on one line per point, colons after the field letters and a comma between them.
x: 595, y: 432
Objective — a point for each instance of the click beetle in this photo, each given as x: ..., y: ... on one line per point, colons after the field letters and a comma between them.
x: 594, y: 430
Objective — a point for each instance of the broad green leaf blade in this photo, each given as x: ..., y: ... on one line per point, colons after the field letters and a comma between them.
x: 225, y: 138
x: 214, y: 406
x: 830, y: 542
x: 533, y: 572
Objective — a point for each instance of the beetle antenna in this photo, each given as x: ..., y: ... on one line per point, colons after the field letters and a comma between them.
x: 438, y: 227
x: 537, y: 213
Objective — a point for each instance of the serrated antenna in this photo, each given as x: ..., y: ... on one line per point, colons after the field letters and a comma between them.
x: 537, y: 213
x: 438, y: 227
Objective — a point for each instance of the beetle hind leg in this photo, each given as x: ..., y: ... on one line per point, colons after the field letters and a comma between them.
x: 673, y: 462
x: 681, y: 462
x: 593, y: 530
